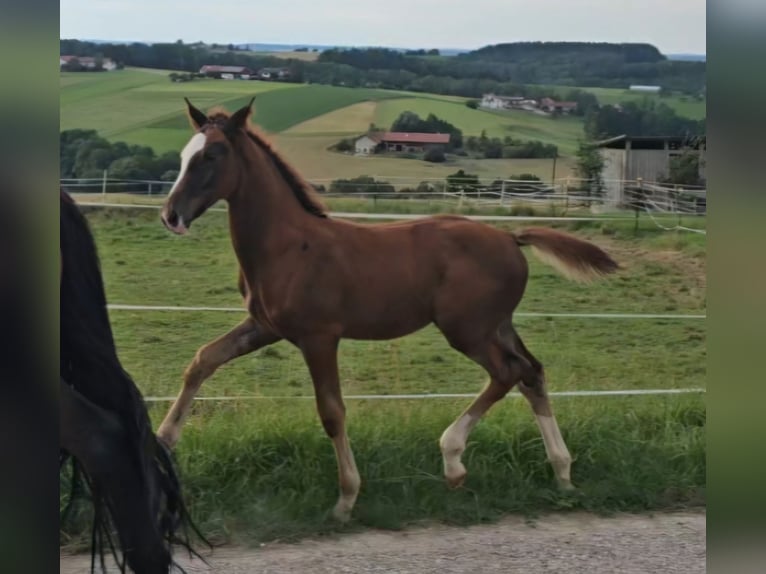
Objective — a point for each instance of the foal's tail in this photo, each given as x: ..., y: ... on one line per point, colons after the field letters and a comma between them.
x: 574, y: 258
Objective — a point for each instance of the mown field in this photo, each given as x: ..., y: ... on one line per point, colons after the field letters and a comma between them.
x: 263, y: 469
x: 144, y: 107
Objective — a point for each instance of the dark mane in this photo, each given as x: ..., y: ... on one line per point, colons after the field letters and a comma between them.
x: 89, y: 364
x: 303, y: 190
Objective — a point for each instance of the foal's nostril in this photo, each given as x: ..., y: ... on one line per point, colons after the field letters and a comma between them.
x: 172, y: 218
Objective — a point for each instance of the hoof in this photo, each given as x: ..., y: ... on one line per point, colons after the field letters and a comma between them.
x: 341, y: 513
x: 456, y: 479
x: 566, y: 486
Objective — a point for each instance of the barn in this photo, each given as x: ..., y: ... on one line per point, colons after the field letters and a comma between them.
x: 398, y: 142
x: 628, y: 158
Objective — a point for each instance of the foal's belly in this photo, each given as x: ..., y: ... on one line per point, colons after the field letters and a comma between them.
x: 385, y: 326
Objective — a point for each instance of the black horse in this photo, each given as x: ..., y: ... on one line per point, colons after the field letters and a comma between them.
x: 104, y: 425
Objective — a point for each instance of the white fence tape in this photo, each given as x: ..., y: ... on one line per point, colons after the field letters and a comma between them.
x: 122, y: 307
x: 613, y: 393
x: 392, y: 216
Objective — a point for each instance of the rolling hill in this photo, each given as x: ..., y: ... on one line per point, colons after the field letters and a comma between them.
x: 142, y: 106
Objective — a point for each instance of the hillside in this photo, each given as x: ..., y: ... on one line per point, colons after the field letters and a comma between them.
x: 503, y: 68
x: 143, y: 107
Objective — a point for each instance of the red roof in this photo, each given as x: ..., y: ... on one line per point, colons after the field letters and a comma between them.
x: 225, y: 69
x: 405, y: 137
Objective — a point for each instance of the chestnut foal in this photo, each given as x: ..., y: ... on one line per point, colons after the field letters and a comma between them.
x: 312, y: 280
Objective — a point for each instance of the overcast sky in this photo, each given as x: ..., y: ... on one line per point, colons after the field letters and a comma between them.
x: 672, y: 25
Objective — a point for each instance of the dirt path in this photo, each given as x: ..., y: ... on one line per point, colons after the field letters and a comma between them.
x: 572, y: 543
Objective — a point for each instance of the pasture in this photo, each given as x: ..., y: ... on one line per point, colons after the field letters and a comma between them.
x: 262, y: 469
x: 683, y: 105
x: 144, y: 107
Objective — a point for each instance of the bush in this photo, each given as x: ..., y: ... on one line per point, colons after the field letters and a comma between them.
x: 525, y: 177
x: 344, y: 145
x: 473, y: 104
x: 462, y: 181
x: 361, y: 184
x: 435, y: 155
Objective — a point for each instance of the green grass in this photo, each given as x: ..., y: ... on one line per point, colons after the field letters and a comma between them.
x: 255, y: 472
x: 142, y: 106
x: 260, y: 470
x: 280, y: 110
x: 683, y: 105
x: 114, y: 103
x: 563, y: 132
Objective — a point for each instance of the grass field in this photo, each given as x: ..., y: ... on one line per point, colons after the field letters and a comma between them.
x: 291, y: 55
x: 563, y: 132
x: 683, y: 105
x: 143, y: 107
x: 263, y: 469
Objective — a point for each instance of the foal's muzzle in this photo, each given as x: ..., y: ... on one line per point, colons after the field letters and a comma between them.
x: 173, y: 222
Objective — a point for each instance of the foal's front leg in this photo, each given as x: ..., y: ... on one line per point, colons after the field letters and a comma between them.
x: 246, y: 337
x: 321, y: 355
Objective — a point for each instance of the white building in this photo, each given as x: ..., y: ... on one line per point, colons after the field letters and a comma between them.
x: 88, y: 62
x: 366, y: 145
x: 646, y: 89
x: 493, y: 102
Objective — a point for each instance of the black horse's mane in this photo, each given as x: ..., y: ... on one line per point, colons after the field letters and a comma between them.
x: 89, y: 363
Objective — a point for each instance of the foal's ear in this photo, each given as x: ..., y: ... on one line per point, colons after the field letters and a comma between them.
x: 238, y: 119
x: 196, y: 117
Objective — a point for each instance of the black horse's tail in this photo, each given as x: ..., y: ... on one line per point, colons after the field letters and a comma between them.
x: 90, y: 364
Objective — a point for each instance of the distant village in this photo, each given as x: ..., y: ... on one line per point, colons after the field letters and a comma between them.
x: 70, y: 63
x: 543, y: 106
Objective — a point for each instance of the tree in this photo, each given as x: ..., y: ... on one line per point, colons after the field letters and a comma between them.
x: 685, y: 168
x: 590, y: 165
x: 493, y: 149
x: 461, y: 181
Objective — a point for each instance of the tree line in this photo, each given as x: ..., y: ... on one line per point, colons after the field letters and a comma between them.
x: 502, y: 68
x: 643, y: 118
x: 84, y: 155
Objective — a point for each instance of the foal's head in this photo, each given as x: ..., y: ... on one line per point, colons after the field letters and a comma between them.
x: 209, y: 170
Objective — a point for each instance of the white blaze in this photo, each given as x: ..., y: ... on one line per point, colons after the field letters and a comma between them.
x: 196, y: 143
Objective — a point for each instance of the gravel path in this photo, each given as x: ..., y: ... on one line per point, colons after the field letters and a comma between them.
x: 666, y: 543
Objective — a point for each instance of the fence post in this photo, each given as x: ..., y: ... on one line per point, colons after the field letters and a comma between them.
x: 639, y: 181
x: 103, y: 184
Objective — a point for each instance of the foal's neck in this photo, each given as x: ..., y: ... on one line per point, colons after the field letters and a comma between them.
x: 265, y: 216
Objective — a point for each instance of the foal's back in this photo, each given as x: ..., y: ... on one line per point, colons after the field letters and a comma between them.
x: 387, y: 280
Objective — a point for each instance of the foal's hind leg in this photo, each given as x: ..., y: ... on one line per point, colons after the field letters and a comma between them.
x: 507, y: 361
x: 533, y: 388
x: 503, y: 375
x: 246, y: 337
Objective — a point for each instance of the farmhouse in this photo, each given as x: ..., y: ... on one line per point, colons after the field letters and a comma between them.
x: 274, y: 73
x: 493, y: 102
x: 550, y: 105
x: 86, y: 62
x: 627, y: 159
x: 398, y: 142
x: 226, y: 72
